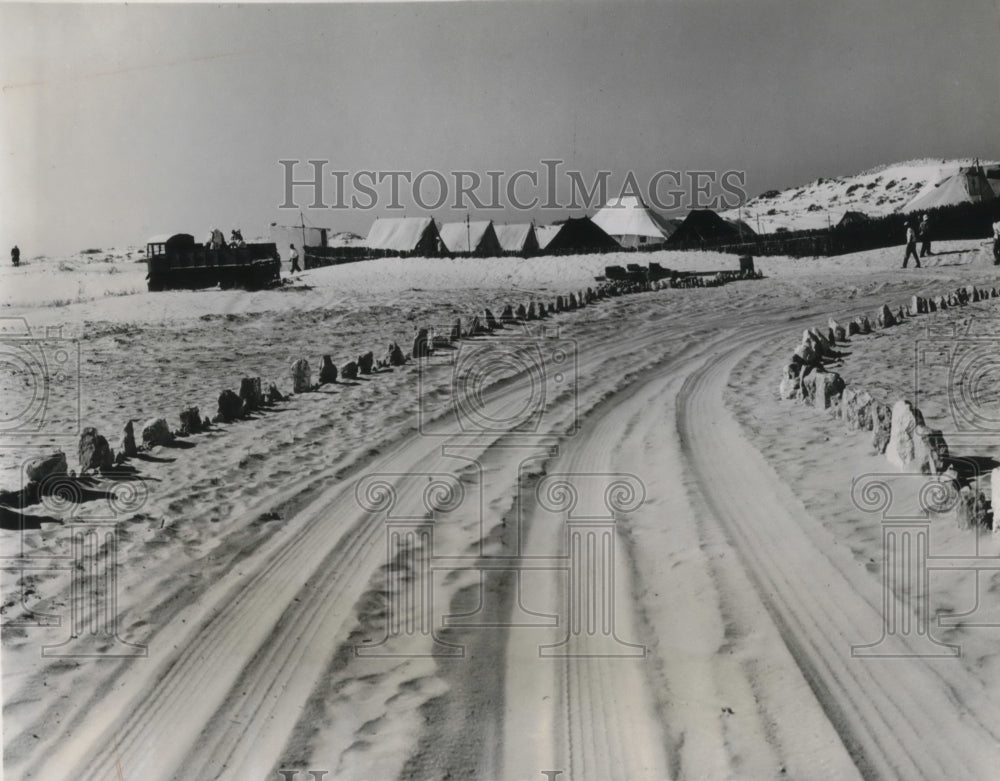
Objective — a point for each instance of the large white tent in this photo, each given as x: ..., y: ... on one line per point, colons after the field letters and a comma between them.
x: 407, y: 235
x: 475, y: 237
x: 967, y: 185
x: 633, y: 224
x: 283, y: 235
x: 545, y: 234
x: 517, y: 237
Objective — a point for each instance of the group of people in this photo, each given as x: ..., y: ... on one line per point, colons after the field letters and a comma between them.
x: 923, y: 232
x: 217, y: 240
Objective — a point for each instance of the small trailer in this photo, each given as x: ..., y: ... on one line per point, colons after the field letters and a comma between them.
x: 633, y: 272
x: 178, y: 263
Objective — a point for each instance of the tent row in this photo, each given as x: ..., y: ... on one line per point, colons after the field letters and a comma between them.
x: 423, y: 236
x: 623, y: 223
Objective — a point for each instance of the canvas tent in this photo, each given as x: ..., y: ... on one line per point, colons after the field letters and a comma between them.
x: 579, y: 235
x: 967, y: 185
x: 545, y: 234
x: 633, y: 224
x: 993, y: 177
x: 703, y: 226
x: 742, y: 228
x: 519, y: 239
x: 852, y: 218
x: 471, y: 238
x: 283, y: 235
x: 405, y: 236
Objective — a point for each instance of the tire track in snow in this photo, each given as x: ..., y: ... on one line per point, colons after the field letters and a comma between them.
x: 607, y: 724
x: 227, y: 696
x: 887, y: 714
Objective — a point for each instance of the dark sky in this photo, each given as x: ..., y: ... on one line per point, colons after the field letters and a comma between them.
x: 118, y: 122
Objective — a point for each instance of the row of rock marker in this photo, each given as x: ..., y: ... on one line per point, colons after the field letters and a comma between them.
x: 96, y: 454
x: 898, y: 431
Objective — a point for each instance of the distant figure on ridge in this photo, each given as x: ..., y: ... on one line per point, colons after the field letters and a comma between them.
x: 15, y: 255
x: 293, y: 256
x: 925, y: 237
x: 236, y: 238
x: 911, y: 246
x: 996, y: 243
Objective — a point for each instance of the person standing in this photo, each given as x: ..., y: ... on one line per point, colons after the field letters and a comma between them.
x: 293, y: 256
x: 925, y: 237
x: 15, y: 256
x: 996, y: 243
x: 911, y: 246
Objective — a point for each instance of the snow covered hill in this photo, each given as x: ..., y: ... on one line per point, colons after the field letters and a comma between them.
x: 876, y: 192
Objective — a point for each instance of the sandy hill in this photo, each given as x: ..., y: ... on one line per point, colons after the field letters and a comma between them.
x: 878, y: 191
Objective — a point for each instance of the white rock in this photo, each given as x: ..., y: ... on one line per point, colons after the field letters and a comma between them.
x: 884, y: 318
x: 829, y: 387
x: 931, y: 450
x: 806, y: 354
x: 128, y: 446
x: 421, y: 344
x: 856, y: 408
x: 301, y: 376
x: 995, y: 497
x: 39, y: 468
x: 789, y: 387
x: 155, y: 431
x: 94, y: 451
x: 901, y: 451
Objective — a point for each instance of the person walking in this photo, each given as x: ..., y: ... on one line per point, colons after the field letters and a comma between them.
x: 925, y: 237
x: 15, y: 256
x: 911, y: 246
x: 293, y: 256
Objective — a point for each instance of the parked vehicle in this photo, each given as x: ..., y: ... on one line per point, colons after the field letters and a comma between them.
x: 177, y: 262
